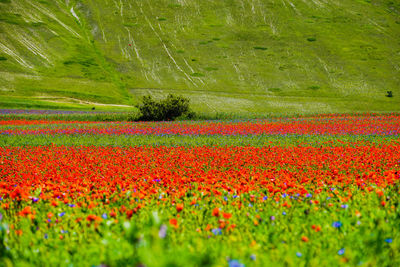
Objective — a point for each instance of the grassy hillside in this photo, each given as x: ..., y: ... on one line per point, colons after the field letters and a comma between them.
x: 233, y: 56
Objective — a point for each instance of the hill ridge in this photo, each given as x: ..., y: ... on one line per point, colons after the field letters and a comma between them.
x: 102, y: 51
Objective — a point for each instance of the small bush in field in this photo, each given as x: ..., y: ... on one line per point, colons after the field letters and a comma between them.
x: 164, y: 110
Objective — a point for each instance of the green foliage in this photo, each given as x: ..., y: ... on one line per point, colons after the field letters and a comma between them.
x: 5, y: 257
x: 12, y: 18
x: 275, y: 90
x: 197, y: 74
x: 137, y: 242
x: 210, y: 69
x: 314, y: 87
x: 165, y: 110
x: 95, y: 116
x: 191, y: 141
x: 260, y: 48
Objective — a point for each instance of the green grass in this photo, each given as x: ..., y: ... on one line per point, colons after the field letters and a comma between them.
x: 103, y: 115
x: 324, y: 56
x: 191, y: 141
x: 23, y: 102
x: 135, y: 241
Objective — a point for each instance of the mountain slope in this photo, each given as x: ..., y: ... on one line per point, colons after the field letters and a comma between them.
x: 243, y: 56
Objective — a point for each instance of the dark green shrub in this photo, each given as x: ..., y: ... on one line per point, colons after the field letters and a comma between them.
x: 165, y: 110
x: 314, y: 87
x: 275, y: 90
x: 260, y: 48
x: 197, y: 74
x: 389, y: 94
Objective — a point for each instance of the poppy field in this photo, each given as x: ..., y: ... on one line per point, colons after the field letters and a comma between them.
x: 303, y: 191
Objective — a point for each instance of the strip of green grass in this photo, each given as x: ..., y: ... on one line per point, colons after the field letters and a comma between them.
x: 103, y: 116
x: 190, y: 141
x: 26, y: 102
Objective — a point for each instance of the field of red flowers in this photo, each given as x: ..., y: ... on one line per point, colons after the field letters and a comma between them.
x: 322, y: 125
x: 93, y: 173
x: 208, y: 205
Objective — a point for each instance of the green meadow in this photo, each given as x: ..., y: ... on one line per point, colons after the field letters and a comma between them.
x: 246, y: 57
x: 193, y: 141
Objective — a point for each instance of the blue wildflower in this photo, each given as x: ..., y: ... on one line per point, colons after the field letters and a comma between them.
x: 388, y: 240
x: 337, y: 224
x: 284, y: 213
x: 298, y: 254
x: 265, y: 198
x: 253, y: 257
x: 104, y: 216
x: 46, y: 236
x: 216, y: 231
x: 235, y: 263
x: 341, y: 252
